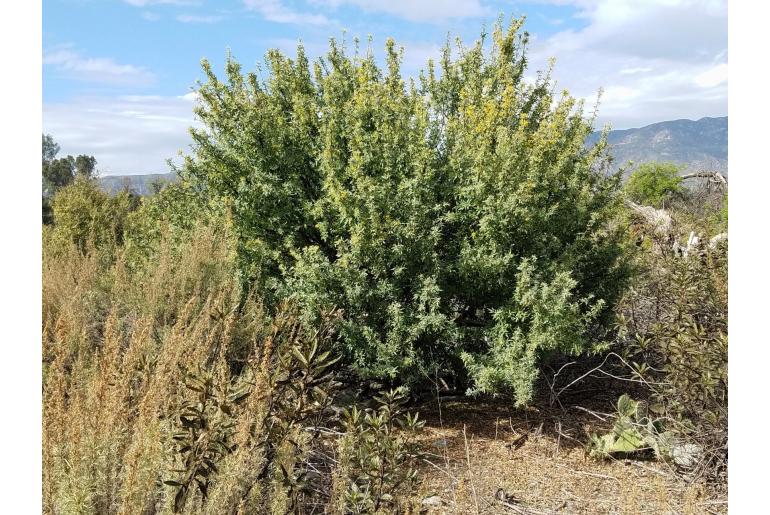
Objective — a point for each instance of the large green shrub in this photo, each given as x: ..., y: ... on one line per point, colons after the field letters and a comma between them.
x: 455, y: 218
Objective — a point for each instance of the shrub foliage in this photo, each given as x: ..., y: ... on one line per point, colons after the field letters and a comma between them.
x: 653, y: 184
x: 457, y: 218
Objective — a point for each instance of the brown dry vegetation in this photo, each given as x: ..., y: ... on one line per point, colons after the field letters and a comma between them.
x: 118, y: 346
x: 112, y: 347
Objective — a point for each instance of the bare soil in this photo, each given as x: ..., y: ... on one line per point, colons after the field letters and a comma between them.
x: 486, y: 457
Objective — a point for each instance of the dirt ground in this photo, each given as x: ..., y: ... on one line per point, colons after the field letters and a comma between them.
x: 486, y: 457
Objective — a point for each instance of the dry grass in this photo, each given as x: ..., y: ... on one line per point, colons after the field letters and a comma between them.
x: 534, y: 462
x: 113, y: 342
x: 120, y: 342
x: 117, y: 340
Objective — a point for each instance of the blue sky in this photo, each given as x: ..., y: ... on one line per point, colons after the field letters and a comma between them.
x: 117, y: 74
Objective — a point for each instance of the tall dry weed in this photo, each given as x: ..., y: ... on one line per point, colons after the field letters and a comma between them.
x: 114, y: 339
x: 119, y: 342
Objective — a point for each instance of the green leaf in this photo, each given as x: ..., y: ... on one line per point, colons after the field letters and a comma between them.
x: 627, y: 407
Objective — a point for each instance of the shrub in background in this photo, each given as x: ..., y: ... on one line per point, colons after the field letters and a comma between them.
x: 82, y: 213
x: 655, y: 184
x: 170, y: 215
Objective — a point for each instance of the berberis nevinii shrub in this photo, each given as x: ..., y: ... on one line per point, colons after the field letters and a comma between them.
x: 457, y: 220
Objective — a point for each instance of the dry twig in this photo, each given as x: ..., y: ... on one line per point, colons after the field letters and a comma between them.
x: 470, y: 471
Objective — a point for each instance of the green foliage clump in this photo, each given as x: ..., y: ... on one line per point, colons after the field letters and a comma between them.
x: 721, y: 216
x: 636, y: 429
x: 653, y: 184
x: 558, y: 323
x: 377, y: 456
x: 85, y: 215
x: 170, y: 214
x: 442, y: 216
x: 57, y: 173
x: 50, y: 148
x: 61, y: 172
x: 204, y: 433
x: 243, y: 438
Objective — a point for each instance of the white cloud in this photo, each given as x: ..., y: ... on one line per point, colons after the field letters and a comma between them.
x: 193, y: 18
x: 192, y: 96
x: 618, y: 94
x: 276, y: 11
x: 656, y: 60
x: 417, y: 10
x: 713, y: 77
x: 127, y: 135
x: 150, y: 16
x: 633, y: 71
x: 95, y: 69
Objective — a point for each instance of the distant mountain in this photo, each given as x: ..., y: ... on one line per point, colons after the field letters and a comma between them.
x: 700, y: 144
x: 139, y: 184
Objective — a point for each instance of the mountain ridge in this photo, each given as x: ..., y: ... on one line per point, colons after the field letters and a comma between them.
x: 693, y: 144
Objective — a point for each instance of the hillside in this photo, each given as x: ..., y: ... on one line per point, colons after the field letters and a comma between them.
x: 696, y: 144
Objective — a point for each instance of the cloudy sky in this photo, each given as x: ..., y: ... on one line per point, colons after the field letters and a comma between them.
x: 118, y: 74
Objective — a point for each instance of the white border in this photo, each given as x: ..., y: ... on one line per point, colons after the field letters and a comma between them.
x: 21, y: 372
x: 749, y: 141
x: 749, y: 117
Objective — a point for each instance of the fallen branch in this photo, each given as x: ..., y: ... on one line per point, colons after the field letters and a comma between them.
x: 522, y: 509
x: 648, y: 469
x: 658, y: 219
x: 715, y: 177
x: 510, y: 502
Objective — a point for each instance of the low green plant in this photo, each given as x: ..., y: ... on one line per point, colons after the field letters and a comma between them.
x: 378, y: 455
x: 636, y: 429
x: 204, y: 433
x: 293, y: 381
